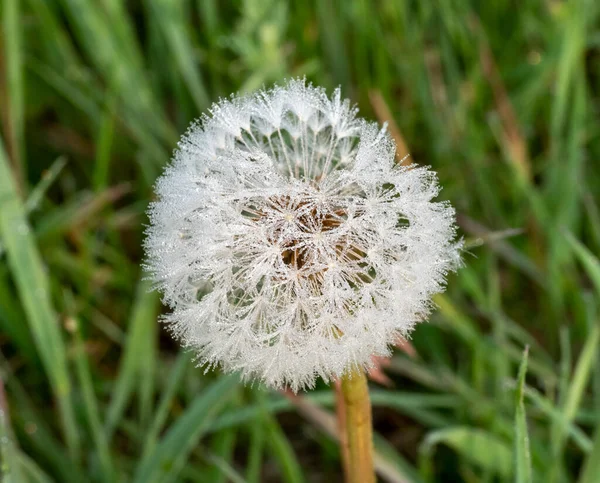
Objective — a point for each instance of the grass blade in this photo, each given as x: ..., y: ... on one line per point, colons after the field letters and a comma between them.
x: 555, y: 416
x: 91, y: 405
x: 10, y: 469
x: 291, y: 471
x: 143, y: 320
x: 574, y: 397
x: 172, y: 451
x: 481, y: 448
x: 172, y: 21
x: 42, y: 444
x: 221, y: 456
x: 162, y: 411
x: 332, y: 36
x: 522, y: 452
x: 590, y: 262
x: 104, y: 145
x: 11, y: 318
x: 226, y: 472
x: 48, y: 177
x: 33, y: 287
x: 591, y: 468
x: 16, y: 98
x: 32, y: 470
x: 255, y: 451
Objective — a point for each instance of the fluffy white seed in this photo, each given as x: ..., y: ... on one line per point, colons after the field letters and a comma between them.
x: 287, y: 241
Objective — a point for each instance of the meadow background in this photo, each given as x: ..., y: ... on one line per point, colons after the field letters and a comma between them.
x: 501, y: 98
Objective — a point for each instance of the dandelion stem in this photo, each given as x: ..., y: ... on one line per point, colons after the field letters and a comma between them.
x: 358, y: 437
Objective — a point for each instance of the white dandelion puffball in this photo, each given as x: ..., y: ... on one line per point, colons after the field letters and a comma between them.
x: 288, y: 242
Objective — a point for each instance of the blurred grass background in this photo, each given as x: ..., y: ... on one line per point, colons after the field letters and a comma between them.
x: 501, y: 98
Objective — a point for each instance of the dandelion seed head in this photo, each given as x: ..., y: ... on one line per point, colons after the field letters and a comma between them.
x: 288, y: 243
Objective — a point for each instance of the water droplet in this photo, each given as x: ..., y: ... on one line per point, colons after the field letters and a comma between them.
x: 23, y: 229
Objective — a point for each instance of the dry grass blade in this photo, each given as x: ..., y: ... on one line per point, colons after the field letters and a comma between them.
x: 377, y: 374
x: 511, y: 133
x: 384, y: 115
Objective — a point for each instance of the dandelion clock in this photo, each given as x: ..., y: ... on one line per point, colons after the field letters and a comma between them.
x: 287, y: 241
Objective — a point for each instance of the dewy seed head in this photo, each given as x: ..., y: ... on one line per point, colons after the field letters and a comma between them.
x: 300, y: 227
x: 288, y: 242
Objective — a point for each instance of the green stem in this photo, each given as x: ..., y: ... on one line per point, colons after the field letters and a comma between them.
x: 358, y: 428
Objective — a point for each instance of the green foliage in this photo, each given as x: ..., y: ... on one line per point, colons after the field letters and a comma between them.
x: 501, y: 102
x: 521, y: 445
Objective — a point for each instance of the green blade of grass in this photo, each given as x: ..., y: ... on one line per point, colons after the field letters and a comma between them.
x: 175, y: 31
x: 10, y: 468
x: 572, y: 48
x: 221, y: 456
x: 33, y: 287
x: 554, y: 414
x: 69, y: 89
x: 138, y: 105
x: 593, y: 214
x: 590, y: 263
x: 104, y: 145
x: 171, y: 453
x: 563, y: 179
x: 590, y: 472
x: 332, y: 36
x: 291, y: 471
x: 255, y: 451
x: 42, y: 443
x: 143, y: 320
x: 522, y: 452
x: 48, y: 178
x: 12, y: 25
x: 34, y: 473
x: 76, y: 90
x: 209, y: 13
x: 91, y: 406
x: 226, y: 472
x: 58, y: 47
x: 574, y: 396
x: 464, y: 326
x: 93, y: 29
x: 147, y: 370
x: 11, y: 317
x: 480, y: 447
x: 123, y: 26
x: 167, y: 395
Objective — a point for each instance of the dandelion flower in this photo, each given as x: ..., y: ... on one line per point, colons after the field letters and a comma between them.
x: 287, y: 241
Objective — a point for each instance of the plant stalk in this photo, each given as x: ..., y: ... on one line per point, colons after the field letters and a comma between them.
x: 357, y: 436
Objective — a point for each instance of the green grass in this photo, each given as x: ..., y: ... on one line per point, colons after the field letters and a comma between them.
x: 501, y: 99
